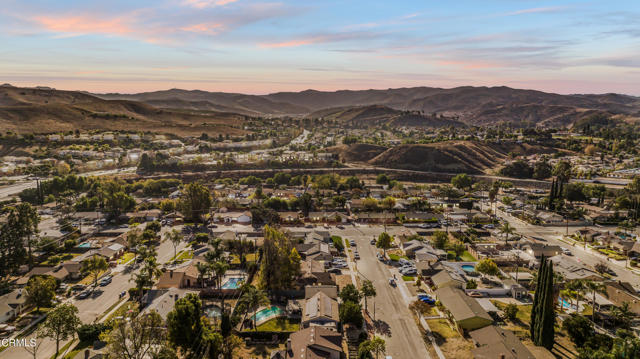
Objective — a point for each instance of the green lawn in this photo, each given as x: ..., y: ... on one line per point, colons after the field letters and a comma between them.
x: 279, y: 325
x: 407, y: 278
x: 524, y: 311
x: 394, y: 257
x: 467, y: 257
x: 442, y: 327
x: 182, y: 256
x: 126, y: 258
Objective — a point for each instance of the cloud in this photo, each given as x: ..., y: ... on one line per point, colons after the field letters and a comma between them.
x: 201, y: 4
x: 322, y: 38
x: 536, y: 10
x: 84, y: 24
x: 204, y: 28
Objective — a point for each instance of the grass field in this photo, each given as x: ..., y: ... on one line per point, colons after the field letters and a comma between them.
x: 442, y: 327
x: 279, y: 325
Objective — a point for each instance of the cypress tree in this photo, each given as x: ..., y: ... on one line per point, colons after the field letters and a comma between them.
x: 536, y: 299
x: 540, y: 294
x: 548, y: 315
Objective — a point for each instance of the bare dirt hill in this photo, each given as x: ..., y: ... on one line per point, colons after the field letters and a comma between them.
x: 452, y: 156
x: 376, y: 115
x: 35, y: 110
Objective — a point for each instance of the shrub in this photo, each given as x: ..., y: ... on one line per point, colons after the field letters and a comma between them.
x: 511, y: 311
x: 89, y: 333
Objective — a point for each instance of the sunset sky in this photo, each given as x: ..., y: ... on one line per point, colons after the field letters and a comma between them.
x: 268, y: 46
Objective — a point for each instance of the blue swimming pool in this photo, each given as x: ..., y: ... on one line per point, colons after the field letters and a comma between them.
x: 84, y: 245
x: 233, y: 283
x: 468, y: 268
x: 267, y: 313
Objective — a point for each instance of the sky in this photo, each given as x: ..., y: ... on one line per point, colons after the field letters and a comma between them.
x: 258, y: 47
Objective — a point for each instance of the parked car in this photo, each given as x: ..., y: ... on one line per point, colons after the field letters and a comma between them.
x: 409, y: 271
x: 372, y: 242
x: 335, y: 270
x: 83, y: 295
x: 380, y: 257
x: 356, y: 255
x: 426, y: 298
x: 340, y: 226
x: 392, y: 282
x: 78, y: 286
x: 475, y: 294
x: 105, y: 281
x: 352, y: 242
x: 567, y: 252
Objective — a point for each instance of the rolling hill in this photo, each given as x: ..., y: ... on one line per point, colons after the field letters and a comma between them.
x: 450, y: 156
x: 376, y: 115
x: 471, y: 105
x: 44, y: 110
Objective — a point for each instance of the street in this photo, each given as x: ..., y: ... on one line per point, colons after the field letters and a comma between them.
x: 93, y: 307
x: 403, y: 339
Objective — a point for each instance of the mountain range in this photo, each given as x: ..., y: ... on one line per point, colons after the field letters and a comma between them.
x: 42, y: 109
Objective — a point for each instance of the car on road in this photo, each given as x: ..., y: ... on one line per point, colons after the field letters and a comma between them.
x: 340, y: 226
x: 489, y: 226
x: 372, y: 242
x: 352, y: 242
x: 380, y: 257
x: 566, y: 251
x: 105, y: 281
x: 475, y: 294
x: 83, y: 295
x: 356, y: 255
x: 392, y: 282
x: 309, y: 226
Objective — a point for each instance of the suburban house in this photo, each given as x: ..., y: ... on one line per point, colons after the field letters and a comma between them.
x: 321, y: 311
x: 463, y: 310
x: 312, y: 343
x: 314, y: 249
x: 162, y: 301
x: 12, y: 304
x: 550, y: 218
x: 330, y: 217
x: 313, y: 272
x: 376, y: 217
x: 145, y: 216
x: 185, y: 277
x: 622, y: 292
x: 445, y: 279
x: 494, y: 342
x: 233, y: 217
x: 571, y: 269
x: 539, y: 249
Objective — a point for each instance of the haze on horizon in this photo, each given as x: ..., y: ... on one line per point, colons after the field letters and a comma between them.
x: 264, y: 46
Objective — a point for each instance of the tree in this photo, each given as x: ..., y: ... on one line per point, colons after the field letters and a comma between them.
x: 594, y: 287
x: 458, y: 249
x: 506, y: 229
x: 175, y: 237
x: 388, y: 203
x: 203, y: 270
x: 562, y: 170
x: 542, y: 170
x: 195, y: 201
x: 601, y: 268
x: 384, y: 242
x: 623, y: 315
x: 137, y: 336
x: 440, y: 239
x: 60, y: 324
x: 146, y: 163
x: 462, y: 181
x: 252, y: 298
x: 184, y: 325
x: 382, y: 178
x: 94, y: 266
x: 350, y: 293
x: 375, y: 346
x: 351, y: 313
x: 368, y: 290
x: 543, y: 310
x: 12, y: 251
x: 40, y: 291
x: 487, y: 266
x: 511, y: 311
x: 579, y: 329
x: 114, y: 199
x: 305, y: 202
x: 280, y: 261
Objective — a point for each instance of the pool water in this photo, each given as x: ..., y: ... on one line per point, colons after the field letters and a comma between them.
x: 232, y: 283
x: 267, y: 313
x: 212, y: 311
x: 84, y: 245
x: 468, y: 268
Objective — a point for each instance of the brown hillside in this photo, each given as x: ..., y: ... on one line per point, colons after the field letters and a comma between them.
x: 452, y: 156
x: 358, y: 152
x: 26, y: 110
x: 376, y: 115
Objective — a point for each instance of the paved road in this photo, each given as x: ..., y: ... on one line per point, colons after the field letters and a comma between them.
x: 91, y: 308
x: 11, y: 190
x: 403, y: 338
x: 551, y: 235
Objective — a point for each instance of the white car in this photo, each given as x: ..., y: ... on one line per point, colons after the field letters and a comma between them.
x: 392, y: 282
x: 409, y: 271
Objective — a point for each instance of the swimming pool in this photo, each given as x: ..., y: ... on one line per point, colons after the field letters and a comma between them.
x: 212, y: 311
x: 233, y: 283
x: 84, y: 245
x: 267, y: 313
x: 468, y: 268
x: 566, y: 304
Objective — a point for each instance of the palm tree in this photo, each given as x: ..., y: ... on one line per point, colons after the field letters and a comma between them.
x: 577, y: 287
x: 623, y: 314
x: 203, y: 269
x: 594, y: 287
x: 175, y: 237
x: 252, y: 298
x: 506, y: 229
